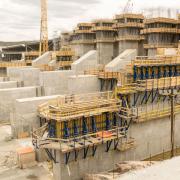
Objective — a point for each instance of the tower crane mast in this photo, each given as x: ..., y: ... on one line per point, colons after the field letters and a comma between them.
x: 43, y: 47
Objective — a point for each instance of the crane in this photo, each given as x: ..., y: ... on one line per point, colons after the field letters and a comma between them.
x: 43, y: 46
x: 128, y: 7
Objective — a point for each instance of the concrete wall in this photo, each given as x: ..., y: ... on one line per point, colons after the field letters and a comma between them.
x: 55, y: 82
x: 123, y: 45
x: 82, y: 49
x: 83, y: 84
x: 2, y: 79
x: 14, y: 73
x: 121, y: 61
x: 42, y: 60
x: 152, y: 52
x: 86, y: 62
x: 25, y: 114
x: 105, y: 52
x: 8, y: 96
x: 8, y: 84
x: 25, y: 76
x: 151, y: 138
x: 30, y: 77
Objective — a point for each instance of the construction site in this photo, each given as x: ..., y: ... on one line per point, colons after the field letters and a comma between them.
x: 99, y: 102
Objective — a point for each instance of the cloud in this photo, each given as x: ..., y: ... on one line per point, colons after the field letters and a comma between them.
x: 20, y: 19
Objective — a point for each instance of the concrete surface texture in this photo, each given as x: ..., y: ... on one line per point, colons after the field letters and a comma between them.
x: 8, y: 84
x: 8, y: 96
x: 86, y: 62
x: 165, y: 170
x: 2, y: 79
x: 8, y: 160
x: 123, y: 45
x: 121, y: 61
x: 55, y: 82
x: 82, y: 49
x: 120, y: 168
x: 42, y: 60
x: 151, y: 137
x: 14, y: 73
x: 30, y: 77
x: 83, y: 84
x: 25, y: 115
x: 105, y: 53
x: 52, y: 63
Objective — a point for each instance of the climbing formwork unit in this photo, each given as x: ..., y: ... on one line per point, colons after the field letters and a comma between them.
x: 82, y: 39
x: 64, y: 58
x: 30, y: 56
x: 160, y: 32
x: 128, y: 28
x: 80, y: 122
x: 151, y: 77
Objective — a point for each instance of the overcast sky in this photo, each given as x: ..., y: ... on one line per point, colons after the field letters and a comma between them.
x: 20, y: 19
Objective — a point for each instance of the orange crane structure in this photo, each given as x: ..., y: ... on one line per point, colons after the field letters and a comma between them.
x: 43, y: 47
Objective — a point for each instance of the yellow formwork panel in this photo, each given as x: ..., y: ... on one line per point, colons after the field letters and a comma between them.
x: 100, y: 125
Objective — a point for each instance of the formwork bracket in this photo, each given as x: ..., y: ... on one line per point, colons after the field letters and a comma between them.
x: 67, y: 156
x: 51, y: 156
x: 86, y: 152
x: 108, y: 145
x: 76, y: 154
x: 116, y: 142
x: 94, y: 148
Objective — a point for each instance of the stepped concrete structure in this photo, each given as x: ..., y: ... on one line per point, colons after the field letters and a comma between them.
x: 83, y: 39
x: 128, y: 29
x: 105, y: 97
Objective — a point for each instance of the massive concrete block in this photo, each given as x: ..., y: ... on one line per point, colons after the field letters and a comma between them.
x: 25, y: 76
x: 83, y: 84
x: 81, y: 49
x: 2, y: 79
x: 42, y: 60
x: 121, y: 61
x: 105, y: 52
x: 86, y: 62
x: 14, y: 73
x: 55, y: 82
x: 8, y: 96
x: 8, y: 84
x: 123, y: 45
x: 25, y: 114
x: 30, y: 77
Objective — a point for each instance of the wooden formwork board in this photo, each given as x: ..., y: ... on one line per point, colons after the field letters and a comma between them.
x: 78, y: 106
x: 102, y: 28
x: 155, y: 114
x: 128, y: 24
x: 129, y: 15
x: 130, y: 38
x: 157, y: 61
x: 78, y: 143
x: 12, y: 64
x: 159, y: 83
x: 158, y: 45
x: 161, y: 20
x: 160, y: 30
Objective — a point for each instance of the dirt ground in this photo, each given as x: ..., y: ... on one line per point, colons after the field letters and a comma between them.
x: 8, y: 159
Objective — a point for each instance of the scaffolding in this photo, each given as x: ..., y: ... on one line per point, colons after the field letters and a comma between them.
x: 76, y: 122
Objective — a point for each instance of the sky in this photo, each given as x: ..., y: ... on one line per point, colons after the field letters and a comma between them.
x: 20, y: 19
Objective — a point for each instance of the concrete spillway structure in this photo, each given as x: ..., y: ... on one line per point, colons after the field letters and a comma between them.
x: 88, y: 133
x: 128, y: 32
x: 161, y: 33
x: 82, y: 39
